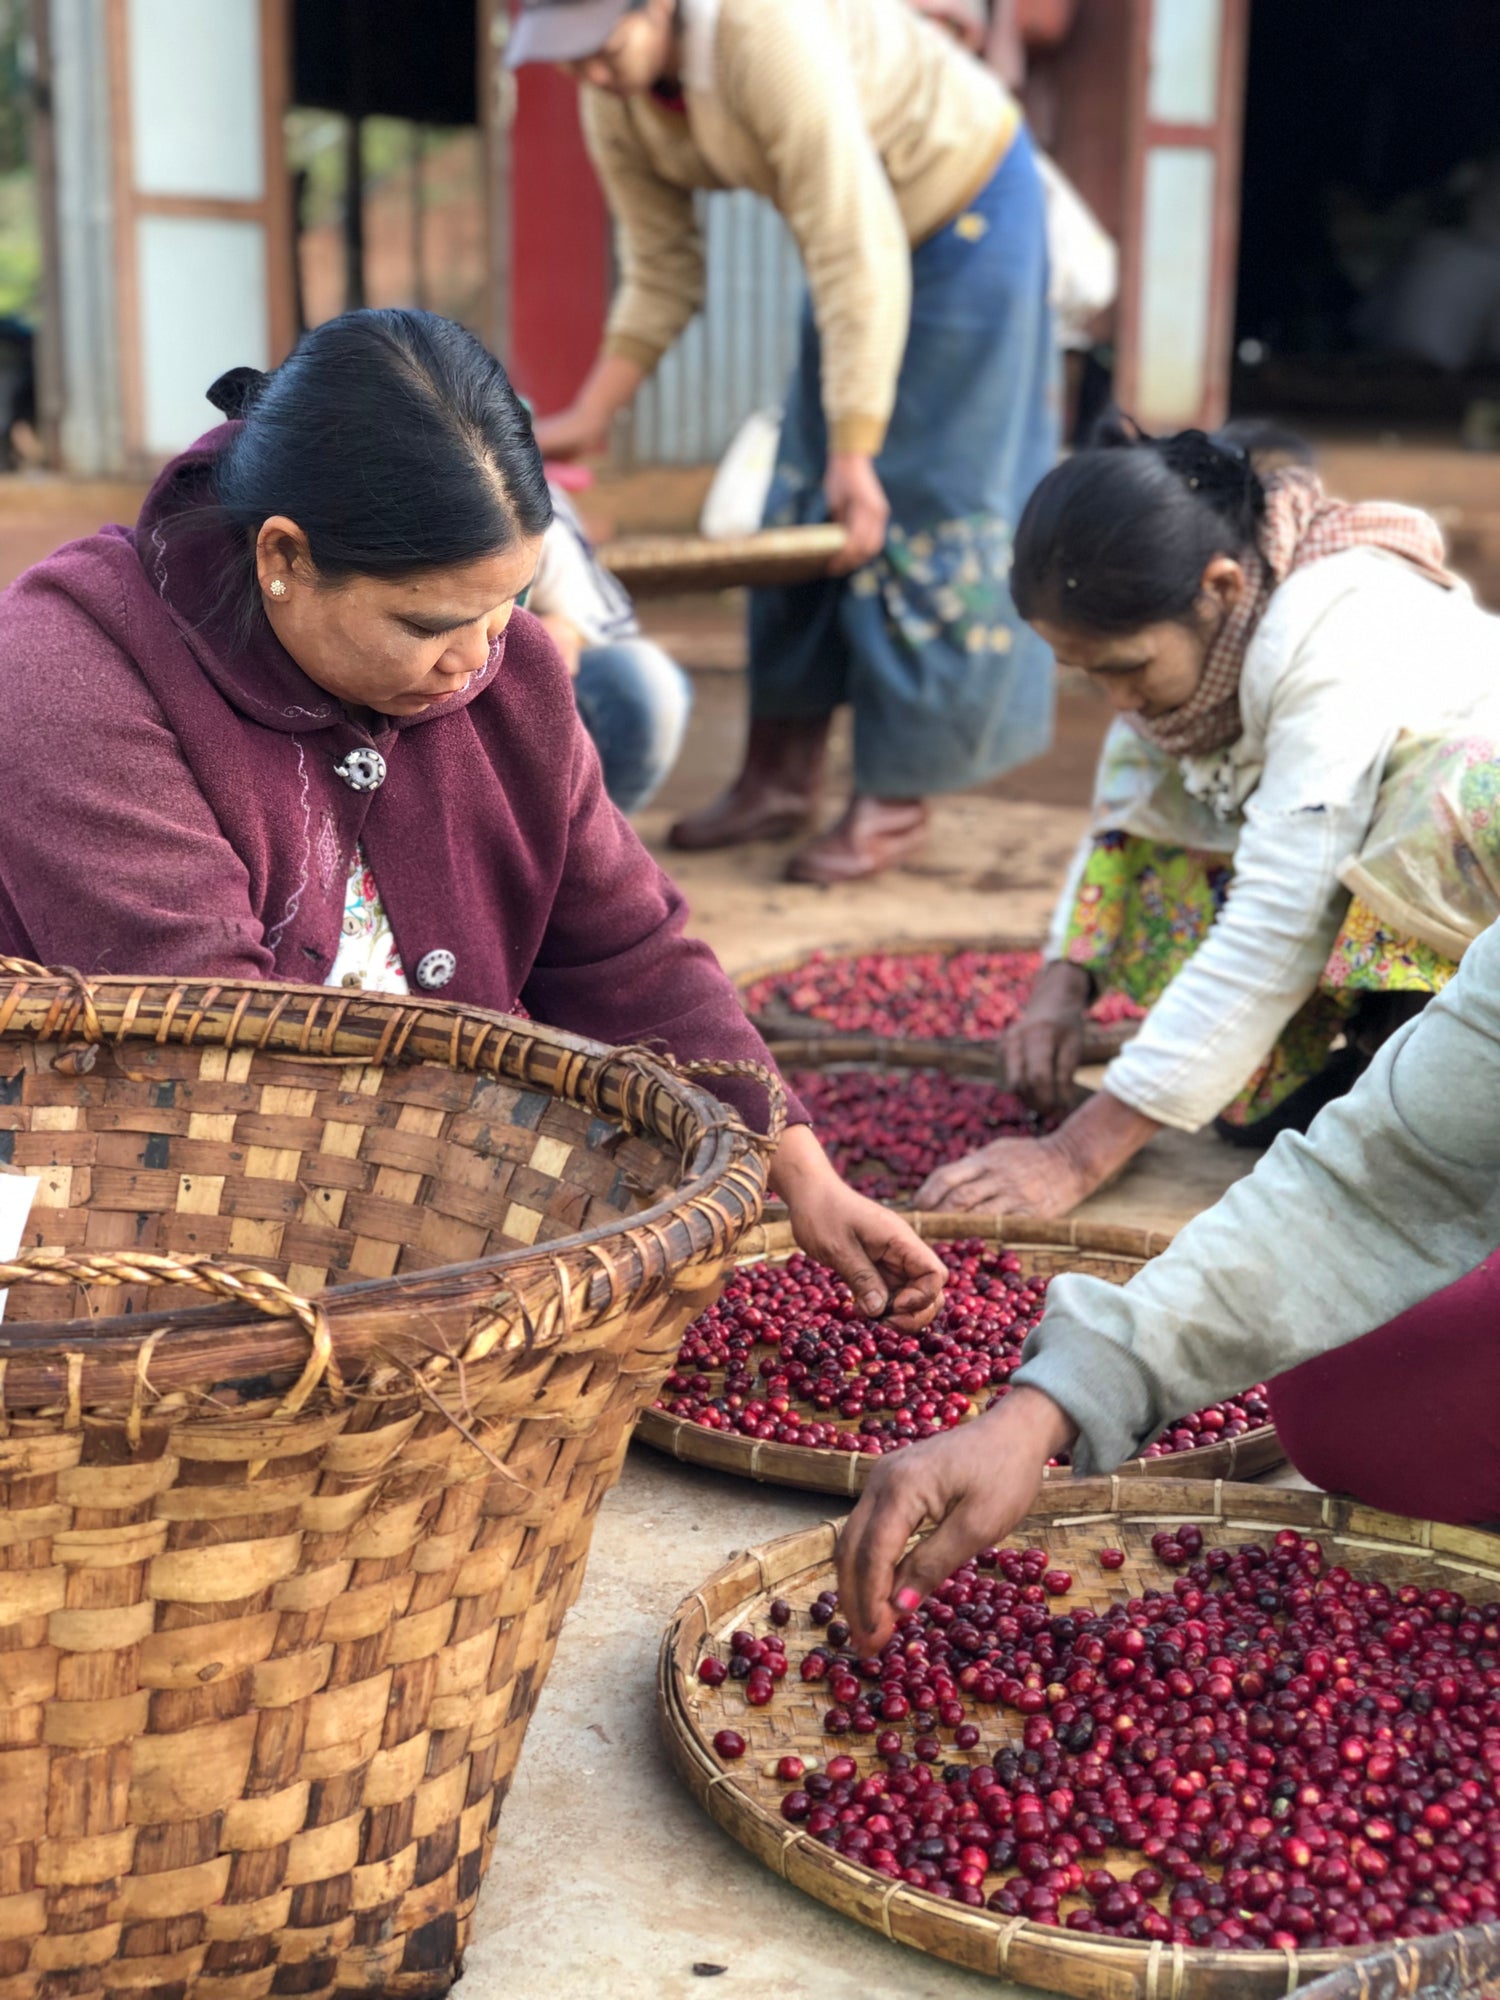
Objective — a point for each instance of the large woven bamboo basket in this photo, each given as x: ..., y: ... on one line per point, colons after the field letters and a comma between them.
x: 1459, y: 1965
x: 779, y: 1022
x: 1073, y: 1522
x: 282, y: 1576
x: 1113, y: 1251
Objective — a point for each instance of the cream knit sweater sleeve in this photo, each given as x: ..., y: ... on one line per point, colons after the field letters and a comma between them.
x: 785, y: 76
x: 657, y: 239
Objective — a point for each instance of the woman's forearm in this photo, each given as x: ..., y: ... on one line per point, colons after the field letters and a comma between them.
x: 1102, y: 1136
x: 1060, y: 988
x: 584, y: 426
x: 799, y: 1163
x: 610, y: 387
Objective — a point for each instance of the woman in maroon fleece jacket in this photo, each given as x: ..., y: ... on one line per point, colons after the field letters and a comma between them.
x: 304, y: 670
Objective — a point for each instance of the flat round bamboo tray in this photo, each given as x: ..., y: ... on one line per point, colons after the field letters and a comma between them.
x: 779, y: 1022
x: 1456, y: 1965
x: 656, y: 565
x: 1073, y: 1521
x: 1113, y: 1251
x: 976, y: 1061
x: 283, y: 1575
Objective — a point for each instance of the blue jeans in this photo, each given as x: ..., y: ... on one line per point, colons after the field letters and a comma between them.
x: 634, y: 700
x: 947, y: 685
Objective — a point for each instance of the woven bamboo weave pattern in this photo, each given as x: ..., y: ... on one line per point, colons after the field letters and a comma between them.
x: 1113, y: 1251
x: 1072, y: 1520
x: 1463, y: 1965
x: 281, y: 1575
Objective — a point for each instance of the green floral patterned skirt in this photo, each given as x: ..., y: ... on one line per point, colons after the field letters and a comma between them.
x: 1143, y: 908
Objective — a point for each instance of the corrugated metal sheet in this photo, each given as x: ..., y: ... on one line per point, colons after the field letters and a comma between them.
x: 737, y: 355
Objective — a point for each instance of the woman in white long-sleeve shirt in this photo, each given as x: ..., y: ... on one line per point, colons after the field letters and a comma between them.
x: 1356, y: 1269
x: 1307, y: 700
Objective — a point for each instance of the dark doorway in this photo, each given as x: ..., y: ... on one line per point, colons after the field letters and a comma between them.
x: 387, y: 157
x: 1369, y: 279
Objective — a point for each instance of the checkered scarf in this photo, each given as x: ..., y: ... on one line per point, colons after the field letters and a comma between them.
x: 1301, y: 525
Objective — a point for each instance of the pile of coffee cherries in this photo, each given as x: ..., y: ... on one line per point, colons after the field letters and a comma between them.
x: 785, y: 1356
x: 966, y: 995
x: 887, y: 1130
x: 1271, y: 1754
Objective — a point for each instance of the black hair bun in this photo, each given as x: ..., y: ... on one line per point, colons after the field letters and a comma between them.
x: 238, y: 390
x: 1221, y: 471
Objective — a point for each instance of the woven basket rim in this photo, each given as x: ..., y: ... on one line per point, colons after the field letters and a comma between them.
x: 1046, y: 1950
x: 657, y: 563
x: 277, y: 1018
x: 816, y: 1469
x: 837, y: 1049
x: 1393, y: 1971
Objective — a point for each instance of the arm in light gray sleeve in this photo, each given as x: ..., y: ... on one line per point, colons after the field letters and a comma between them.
x: 1393, y: 1195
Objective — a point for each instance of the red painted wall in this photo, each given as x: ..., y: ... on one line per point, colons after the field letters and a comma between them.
x: 559, y: 232
x: 1080, y: 113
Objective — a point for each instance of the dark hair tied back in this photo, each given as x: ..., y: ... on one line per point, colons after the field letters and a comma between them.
x: 395, y: 441
x: 1118, y: 536
x: 238, y: 390
x: 1220, y: 473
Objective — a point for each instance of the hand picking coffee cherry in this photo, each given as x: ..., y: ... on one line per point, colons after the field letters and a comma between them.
x: 785, y: 1357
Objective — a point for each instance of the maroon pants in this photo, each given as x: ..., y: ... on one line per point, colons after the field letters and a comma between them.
x: 1408, y: 1418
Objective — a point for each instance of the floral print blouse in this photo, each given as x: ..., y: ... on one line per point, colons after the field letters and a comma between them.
x: 367, y: 954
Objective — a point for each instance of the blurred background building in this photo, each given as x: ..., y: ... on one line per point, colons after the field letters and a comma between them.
x: 1306, y: 199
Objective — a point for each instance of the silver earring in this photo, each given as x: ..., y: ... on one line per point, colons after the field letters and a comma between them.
x: 276, y: 587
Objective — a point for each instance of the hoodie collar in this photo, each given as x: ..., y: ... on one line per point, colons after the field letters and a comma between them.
x: 189, y: 554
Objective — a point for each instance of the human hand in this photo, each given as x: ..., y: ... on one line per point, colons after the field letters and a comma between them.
x: 584, y: 425
x: 975, y: 1482
x: 1040, y: 1053
x: 1045, y: 1177
x: 857, y: 501
x: 567, y: 638
x: 1037, y: 1177
x: 1039, y: 1057
x: 892, y: 1273
x: 569, y: 433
